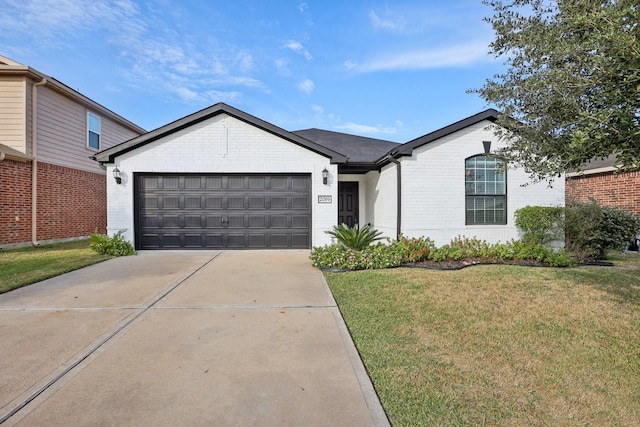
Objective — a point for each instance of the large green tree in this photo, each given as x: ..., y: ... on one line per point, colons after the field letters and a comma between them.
x: 571, y: 89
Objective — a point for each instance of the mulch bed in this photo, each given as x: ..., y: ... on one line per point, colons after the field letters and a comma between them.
x: 463, y: 263
x: 458, y: 265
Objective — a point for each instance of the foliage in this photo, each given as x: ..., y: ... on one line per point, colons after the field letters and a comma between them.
x: 421, y: 249
x: 618, y: 228
x: 591, y: 229
x: 582, y: 229
x: 541, y: 224
x: 341, y: 257
x: 114, y: 245
x: 415, y: 249
x: 572, y: 83
x: 355, y: 237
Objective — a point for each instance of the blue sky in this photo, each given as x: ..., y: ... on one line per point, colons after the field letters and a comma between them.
x: 392, y: 70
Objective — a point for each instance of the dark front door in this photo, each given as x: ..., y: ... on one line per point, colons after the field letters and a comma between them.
x: 348, y: 203
x: 218, y: 211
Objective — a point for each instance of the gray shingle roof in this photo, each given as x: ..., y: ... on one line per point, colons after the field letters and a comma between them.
x: 357, y: 149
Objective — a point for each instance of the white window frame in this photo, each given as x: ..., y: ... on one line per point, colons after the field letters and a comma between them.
x: 90, y: 131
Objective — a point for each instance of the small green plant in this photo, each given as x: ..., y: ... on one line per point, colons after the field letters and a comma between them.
x: 540, y: 224
x: 371, y: 257
x: 415, y: 249
x: 355, y: 238
x: 115, y: 245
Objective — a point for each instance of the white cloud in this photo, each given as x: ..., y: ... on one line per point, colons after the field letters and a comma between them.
x: 349, y: 65
x: 306, y: 86
x: 282, y: 66
x: 297, y: 47
x: 366, y: 129
x: 396, y: 24
x: 453, y: 56
x: 302, y: 7
x: 245, y: 61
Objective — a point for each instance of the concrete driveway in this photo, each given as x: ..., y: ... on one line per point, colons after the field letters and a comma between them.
x: 182, y: 338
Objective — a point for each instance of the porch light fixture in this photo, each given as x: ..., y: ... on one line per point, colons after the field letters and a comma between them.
x: 325, y: 176
x: 117, y: 176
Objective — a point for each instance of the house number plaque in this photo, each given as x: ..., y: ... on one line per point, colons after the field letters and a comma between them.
x: 324, y: 199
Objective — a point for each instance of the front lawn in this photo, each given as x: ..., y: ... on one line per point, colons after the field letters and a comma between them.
x: 21, y: 267
x: 499, y: 344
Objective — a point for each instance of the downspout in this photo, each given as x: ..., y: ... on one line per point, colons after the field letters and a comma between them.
x: 34, y: 164
x: 399, y: 195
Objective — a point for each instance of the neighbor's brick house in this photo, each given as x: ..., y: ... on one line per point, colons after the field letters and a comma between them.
x: 600, y: 182
x: 48, y: 132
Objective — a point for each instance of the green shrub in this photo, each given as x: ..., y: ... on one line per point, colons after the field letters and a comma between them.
x: 540, y: 224
x: 422, y: 249
x: 618, y: 228
x: 371, y: 257
x: 355, y: 237
x: 415, y: 249
x: 462, y: 247
x: 591, y: 229
x: 114, y: 245
x: 582, y: 229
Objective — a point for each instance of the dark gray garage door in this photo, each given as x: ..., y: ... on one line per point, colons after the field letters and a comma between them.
x: 222, y: 211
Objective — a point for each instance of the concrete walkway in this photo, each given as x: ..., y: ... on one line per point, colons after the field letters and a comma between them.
x: 235, y: 338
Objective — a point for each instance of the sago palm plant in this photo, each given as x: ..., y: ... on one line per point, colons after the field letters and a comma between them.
x: 355, y: 238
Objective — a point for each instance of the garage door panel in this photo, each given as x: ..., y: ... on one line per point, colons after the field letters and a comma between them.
x: 171, y: 241
x: 300, y: 203
x: 213, y: 202
x: 170, y: 221
x: 169, y: 202
x: 278, y: 202
x: 300, y: 240
x: 300, y: 221
x: 193, y: 241
x: 213, y: 221
x: 257, y: 241
x: 235, y: 202
x: 257, y: 202
x: 170, y: 183
x: 192, y: 183
x: 193, y: 221
x: 193, y: 202
x: 279, y: 221
x: 246, y: 211
x: 214, y: 241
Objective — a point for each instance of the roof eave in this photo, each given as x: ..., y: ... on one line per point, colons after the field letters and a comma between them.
x: 26, y: 71
x: 407, y: 148
x: 109, y: 155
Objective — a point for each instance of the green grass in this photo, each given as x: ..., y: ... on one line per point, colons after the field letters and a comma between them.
x: 21, y: 267
x: 498, y: 344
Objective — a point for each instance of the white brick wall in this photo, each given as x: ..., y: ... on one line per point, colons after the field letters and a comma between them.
x: 381, y: 200
x: 222, y: 144
x: 433, y: 189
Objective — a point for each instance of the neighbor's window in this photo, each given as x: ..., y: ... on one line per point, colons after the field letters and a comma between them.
x: 93, y: 131
x: 486, y: 190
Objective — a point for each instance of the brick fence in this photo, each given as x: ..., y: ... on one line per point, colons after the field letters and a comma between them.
x: 71, y: 202
x: 617, y: 190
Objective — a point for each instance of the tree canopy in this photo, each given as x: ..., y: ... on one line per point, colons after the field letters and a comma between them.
x: 571, y: 91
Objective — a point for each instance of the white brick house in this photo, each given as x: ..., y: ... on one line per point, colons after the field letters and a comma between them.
x: 221, y: 178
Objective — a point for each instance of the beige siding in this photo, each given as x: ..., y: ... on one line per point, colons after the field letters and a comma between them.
x: 13, y: 120
x: 62, y: 130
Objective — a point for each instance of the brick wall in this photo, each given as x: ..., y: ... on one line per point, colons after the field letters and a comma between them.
x: 621, y: 191
x: 15, y: 202
x: 71, y: 202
